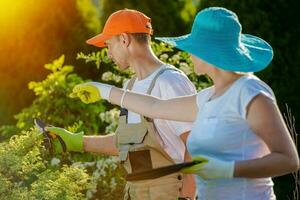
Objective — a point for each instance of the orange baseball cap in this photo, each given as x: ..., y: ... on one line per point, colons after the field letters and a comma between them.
x: 122, y: 21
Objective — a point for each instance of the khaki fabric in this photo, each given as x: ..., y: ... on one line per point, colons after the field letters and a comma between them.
x: 164, y: 188
x: 139, y: 137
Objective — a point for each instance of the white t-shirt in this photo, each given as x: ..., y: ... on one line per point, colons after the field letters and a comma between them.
x: 168, y: 85
x: 221, y: 131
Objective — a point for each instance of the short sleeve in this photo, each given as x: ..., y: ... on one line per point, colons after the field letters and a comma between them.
x: 173, y: 84
x: 250, y: 90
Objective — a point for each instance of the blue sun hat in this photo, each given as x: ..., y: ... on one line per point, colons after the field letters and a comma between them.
x: 217, y: 39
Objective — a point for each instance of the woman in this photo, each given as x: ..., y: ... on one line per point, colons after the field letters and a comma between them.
x: 238, y: 134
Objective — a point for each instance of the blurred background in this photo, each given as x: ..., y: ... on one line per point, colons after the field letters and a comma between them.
x: 33, y: 33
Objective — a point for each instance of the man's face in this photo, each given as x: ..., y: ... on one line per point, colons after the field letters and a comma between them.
x: 117, y: 52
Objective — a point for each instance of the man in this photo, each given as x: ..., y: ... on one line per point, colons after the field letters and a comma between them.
x: 140, y: 143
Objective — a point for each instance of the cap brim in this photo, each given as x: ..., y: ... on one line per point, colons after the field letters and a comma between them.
x: 99, y: 40
x: 254, y: 54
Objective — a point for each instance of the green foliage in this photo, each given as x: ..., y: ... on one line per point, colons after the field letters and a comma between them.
x: 89, y: 15
x: 6, y: 131
x: 27, y: 169
x: 24, y: 174
x: 20, y: 157
x: 109, y: 71
x: 53, y: 105
x: 168, y: 16
x: 107, y: 178
x: 65, y: 183
x: 110, y: 118
x: 27, y: 172
x: 93, y: 57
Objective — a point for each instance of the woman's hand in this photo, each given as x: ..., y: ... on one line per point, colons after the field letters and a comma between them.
x: 210, y: 168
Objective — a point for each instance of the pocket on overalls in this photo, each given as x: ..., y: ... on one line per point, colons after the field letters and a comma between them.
x: 129, y: 138
x: 132, y: 136
x: 140, y: 160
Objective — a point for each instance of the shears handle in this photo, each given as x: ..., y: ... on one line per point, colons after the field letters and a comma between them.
x: 49, y: 137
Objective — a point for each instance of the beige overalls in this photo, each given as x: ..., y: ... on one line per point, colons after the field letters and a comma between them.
x: 140, y: 149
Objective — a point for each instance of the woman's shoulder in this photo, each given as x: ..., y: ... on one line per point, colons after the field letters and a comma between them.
x: 253, y: 86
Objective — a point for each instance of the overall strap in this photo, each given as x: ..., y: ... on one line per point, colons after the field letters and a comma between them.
x: 152, y: 84
x: 124, y: 111
x: 130, y: 83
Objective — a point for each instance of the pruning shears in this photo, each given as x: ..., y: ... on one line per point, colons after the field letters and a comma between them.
x: 159, y: 172
x: 48, y: 136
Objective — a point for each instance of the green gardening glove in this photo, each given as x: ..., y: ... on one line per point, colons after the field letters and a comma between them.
x: 91, y: 92
x: 210, y: 168
x: 73, y: 141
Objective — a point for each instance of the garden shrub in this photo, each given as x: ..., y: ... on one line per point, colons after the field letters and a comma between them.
x: 25, y: 174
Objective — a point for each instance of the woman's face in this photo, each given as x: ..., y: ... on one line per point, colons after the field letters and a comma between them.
x: 200, y: 66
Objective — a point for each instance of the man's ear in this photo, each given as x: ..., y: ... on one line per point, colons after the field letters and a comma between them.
x: 125, y: 39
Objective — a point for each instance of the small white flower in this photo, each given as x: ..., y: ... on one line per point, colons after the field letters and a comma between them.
x: 176, y: 58
x: 113, y: 182
x: 107, y: 76
x: 89, y: 194
x: 55, y: 161
x: 185, y: 68
x: 164, y: 56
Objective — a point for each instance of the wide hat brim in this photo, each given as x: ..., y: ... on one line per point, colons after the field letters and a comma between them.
x: 251, y: 55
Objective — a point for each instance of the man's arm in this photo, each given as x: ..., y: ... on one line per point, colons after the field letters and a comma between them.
x: 189, y: 183
x: 100, y: 144
x: 77, y: 142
